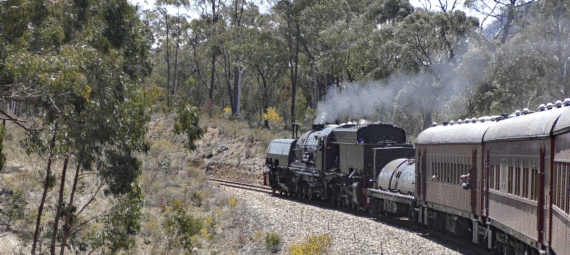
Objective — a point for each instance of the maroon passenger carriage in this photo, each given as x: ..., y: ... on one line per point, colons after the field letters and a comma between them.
x: 504, y: 183
x: 444, y: 154
x: 559, y: 226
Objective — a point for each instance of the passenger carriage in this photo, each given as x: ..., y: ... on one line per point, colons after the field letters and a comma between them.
x: 445, y: 154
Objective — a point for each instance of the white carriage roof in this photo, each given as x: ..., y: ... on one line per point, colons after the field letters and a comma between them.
x: 457, y: 133
x: 563, y: 123
x: 534, y: 125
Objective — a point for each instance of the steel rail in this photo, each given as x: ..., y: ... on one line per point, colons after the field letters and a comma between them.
x: 245, y: 186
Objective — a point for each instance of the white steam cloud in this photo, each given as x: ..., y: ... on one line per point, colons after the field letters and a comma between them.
x: 353, y: 101
x: 442, y: 91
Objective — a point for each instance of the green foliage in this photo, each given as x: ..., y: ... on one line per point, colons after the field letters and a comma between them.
x: 121, y: 172
x: 272, y: 241
x: 13, y: 206
x: 120, y: 225
x: 187, y: 122
x: 80, y: 64
x: 182, y: 227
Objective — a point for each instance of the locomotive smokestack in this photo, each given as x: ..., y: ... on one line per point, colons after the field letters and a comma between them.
x: 317, y: 127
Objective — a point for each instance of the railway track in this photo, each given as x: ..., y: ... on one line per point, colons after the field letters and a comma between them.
x: 395, y: 222
x: 262, y: 189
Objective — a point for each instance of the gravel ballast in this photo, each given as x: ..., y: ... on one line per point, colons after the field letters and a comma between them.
x: 295, y: 221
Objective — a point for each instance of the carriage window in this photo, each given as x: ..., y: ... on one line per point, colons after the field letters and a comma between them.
x: 447, y: 171
x: 498, y: 177
x: 563, y: 174
x: 534, y: 179
x: 525, y: 182
x: 454, y: 181
x: 565, y: 188
x: 443, y: 176
x: 518, y: 181
x: 510, y: 180
x: 439, y: 176
x: 558, y: 169
x: 492, y: 177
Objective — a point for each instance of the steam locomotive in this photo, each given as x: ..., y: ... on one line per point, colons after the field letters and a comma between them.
x: 503, y: 181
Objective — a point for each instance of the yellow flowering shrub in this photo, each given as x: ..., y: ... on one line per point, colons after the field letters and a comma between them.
x: 272, y: 115
x: 314, y: 246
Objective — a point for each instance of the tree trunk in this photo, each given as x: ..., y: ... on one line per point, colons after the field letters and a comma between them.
x: 427, y: 120
x: 227, y: 75
x: 59, y: 206
x: 265, y: 101
x: 510, y: 19
x: 68, y: 219
x: 214, y: 54
x: 46, y: 187
x: 212, y: 76
x: 294, y: 69
x: 167, y: 61
x: 237, y: 91
x: 175, y: 80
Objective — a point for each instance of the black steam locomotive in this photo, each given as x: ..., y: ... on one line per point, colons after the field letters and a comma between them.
x: 503, y: 182
x: 336, y: 163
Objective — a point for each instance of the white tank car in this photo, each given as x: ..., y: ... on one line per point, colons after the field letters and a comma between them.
x: 398, y: 176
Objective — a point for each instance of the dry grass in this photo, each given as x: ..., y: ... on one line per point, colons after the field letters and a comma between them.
x: 174, y: 183
x: 174, y: 179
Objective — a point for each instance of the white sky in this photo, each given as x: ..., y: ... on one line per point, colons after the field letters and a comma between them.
x: 148, y: 4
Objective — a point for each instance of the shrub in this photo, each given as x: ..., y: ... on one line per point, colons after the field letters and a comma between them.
x: 182, y: 228
x: 272, y: 115
x: 227, y: 112
x: 13, y: 207
x: 314, y: 246
x: 233, y: 202
x: 272, y: 241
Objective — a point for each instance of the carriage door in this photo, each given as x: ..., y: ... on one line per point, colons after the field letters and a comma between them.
x: 485, y: 187
x: 473, y: 180
x: 423, y: 176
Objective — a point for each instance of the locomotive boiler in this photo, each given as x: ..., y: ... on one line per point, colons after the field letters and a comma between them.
x: 336, y: 163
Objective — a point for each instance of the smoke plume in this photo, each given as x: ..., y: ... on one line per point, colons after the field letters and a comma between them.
x: 440, y: 91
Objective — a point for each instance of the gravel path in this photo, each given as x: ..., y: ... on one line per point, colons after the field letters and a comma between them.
x: 351, y: 234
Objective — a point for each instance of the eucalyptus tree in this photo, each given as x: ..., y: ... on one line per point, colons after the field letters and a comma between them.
x: 533, y: 66
x: 430, y: 44
x: 80, y: 64
x: 289, y: 19
x: 506, y: 12
x: 211, y: 17
x: 168, y: 29
x: 241, y: 17
x: 266, y: 57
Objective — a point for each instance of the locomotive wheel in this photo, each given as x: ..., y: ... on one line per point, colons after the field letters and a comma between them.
x: 332, y: 199
x: 310, y: 193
